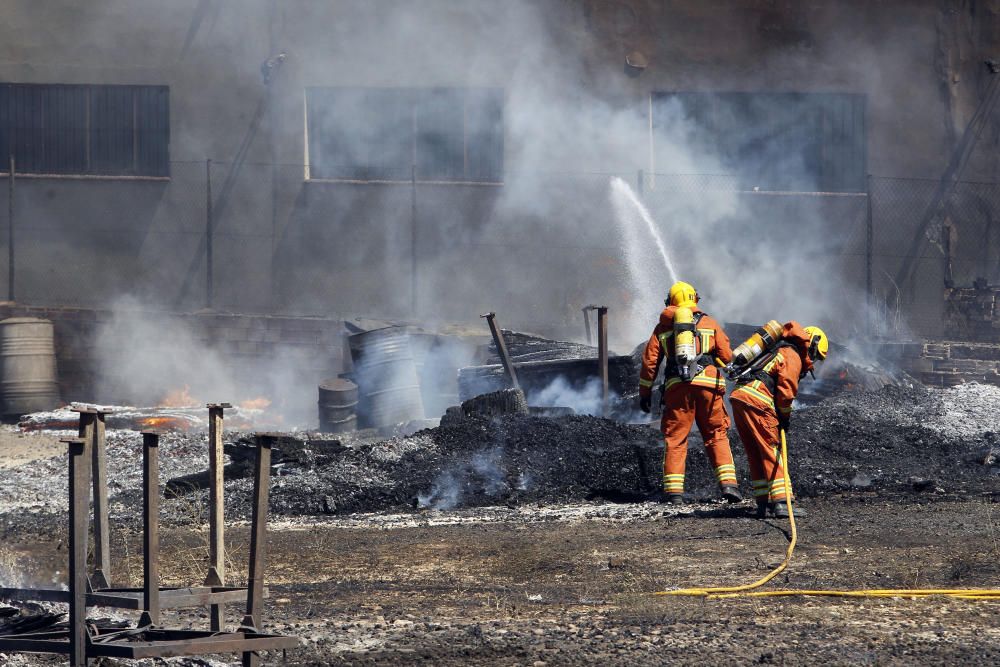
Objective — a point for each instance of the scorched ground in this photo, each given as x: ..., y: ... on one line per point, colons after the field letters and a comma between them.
x: 526, y: 540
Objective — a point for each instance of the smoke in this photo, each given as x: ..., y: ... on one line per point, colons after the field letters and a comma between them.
x: 144, y: 356
x: 551, y: 240
x: 584, y: 400
x: 482, y: 474
x: 445, y: 493
x: 535, y: 248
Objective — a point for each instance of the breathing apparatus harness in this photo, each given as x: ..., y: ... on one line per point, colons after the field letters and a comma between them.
x: 693, y: 367
x: 754, y: 368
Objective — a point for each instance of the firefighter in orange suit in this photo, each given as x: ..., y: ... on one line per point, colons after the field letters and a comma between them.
x: 692, y: 393
x: 762, y: 404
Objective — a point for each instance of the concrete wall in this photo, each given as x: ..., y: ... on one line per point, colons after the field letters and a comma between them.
x: 243, y: 344
x: 285, y: 245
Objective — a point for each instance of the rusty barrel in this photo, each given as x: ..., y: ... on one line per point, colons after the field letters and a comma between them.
x: 386, y: 374
x: 338, y: 406
x: 27, y: 366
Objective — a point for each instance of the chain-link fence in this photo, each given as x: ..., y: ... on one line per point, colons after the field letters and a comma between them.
x: 256, y: 237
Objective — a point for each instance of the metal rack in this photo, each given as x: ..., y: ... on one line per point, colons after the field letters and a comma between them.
x: 87, y: 467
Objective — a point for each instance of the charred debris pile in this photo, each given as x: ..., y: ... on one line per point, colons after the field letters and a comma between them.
x: 896, y: 440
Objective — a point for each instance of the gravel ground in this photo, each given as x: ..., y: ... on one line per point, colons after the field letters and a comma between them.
x: 495, y: 541
x: 896, y: 440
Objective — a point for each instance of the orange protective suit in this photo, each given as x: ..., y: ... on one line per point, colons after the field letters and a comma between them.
x: 756, y: 408
x: 684, y: 403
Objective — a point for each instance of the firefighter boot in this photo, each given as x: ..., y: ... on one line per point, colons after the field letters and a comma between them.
x: 761, y: 508
x: 779, y: 510
x: 731, y: 493
x: 675, y: 499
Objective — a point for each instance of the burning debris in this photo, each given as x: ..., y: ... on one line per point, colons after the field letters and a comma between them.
x: 188, y: 418
x: 887, y: 441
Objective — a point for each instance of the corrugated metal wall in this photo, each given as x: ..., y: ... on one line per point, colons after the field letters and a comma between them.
x: 775, y: 141
x: 86, y: 129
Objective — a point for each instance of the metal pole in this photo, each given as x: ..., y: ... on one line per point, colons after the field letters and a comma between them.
x: 10, y: 231
x: 79, y: 480
x: 102, y: 527
x: 258, y: 542
x: 216, y: 519
x: 586, y: 322
x: 92, y: 430
x: 208, y: 234
x: 508, y: 365
x: 869, y: 251
x: 602, y: 352
x: 413, y: 240
x: 151, y: 529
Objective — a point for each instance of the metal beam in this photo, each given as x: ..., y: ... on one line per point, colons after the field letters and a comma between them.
x: 216, y: 518
x: 602, y: 353
x: 508, y: 365
x: 151, y: 529
x: 79, y: 481
x: 258, y: 542
x: 92, y: 429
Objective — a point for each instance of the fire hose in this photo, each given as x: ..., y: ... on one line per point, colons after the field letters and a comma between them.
x: 748, y: 590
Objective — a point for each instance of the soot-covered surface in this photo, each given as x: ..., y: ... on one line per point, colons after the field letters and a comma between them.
x: 896, y: 440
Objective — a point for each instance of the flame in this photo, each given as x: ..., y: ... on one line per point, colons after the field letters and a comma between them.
x: 259, y: 403
x: 174, y: 423
x: 178, y: 398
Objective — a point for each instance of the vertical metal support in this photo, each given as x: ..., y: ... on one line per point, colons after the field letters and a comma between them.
x: 869, y: 254
x: 586, y: 322
x: 216, y: 519
x: 413, y: 239
x: 102, y: 527
x: 151, y: 529
x: 508, y: 365
x: 640, y: 184
x: 10, y: 229
x: 93, y: 431
x: 258, y: 542
x: 209, y: 259
x: 602, y: 352
x: 79, y: 511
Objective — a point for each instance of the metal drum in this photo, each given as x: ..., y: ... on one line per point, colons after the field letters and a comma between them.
x: 338, y: 404
x: 27, y: 366
x: 386, y: 374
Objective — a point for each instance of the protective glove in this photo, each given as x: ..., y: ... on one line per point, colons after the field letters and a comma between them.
x: 645, y: 403
x: 784, y: 421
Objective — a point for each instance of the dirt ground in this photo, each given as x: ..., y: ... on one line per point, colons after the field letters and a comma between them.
x: 18, y: 448
x: 901, y: 489
x: 570, y: 584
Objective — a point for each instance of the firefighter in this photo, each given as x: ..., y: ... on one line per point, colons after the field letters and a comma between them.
x: 762, y: 404
x: 693, y: 346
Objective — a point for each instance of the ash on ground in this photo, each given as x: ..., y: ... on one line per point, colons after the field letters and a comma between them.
x: 896, y: 440
x: 908, y: 440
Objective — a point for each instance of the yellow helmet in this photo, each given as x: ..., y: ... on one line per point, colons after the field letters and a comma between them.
x: 819, y: 344
x: 682, y: 295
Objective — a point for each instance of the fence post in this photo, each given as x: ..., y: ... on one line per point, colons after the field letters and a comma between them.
x: 869, y: 252
x: 208, y: 234
x: 10, y: 231
x: 413, y: 240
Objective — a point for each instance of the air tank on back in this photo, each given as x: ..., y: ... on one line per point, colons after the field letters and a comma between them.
x: 684, y: 349
x: 761, y: 340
